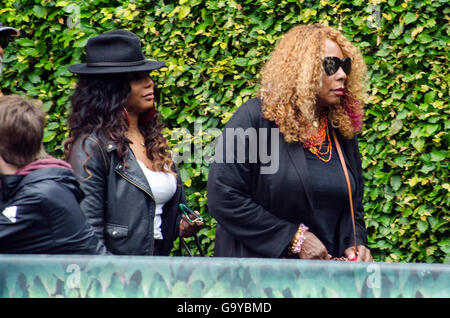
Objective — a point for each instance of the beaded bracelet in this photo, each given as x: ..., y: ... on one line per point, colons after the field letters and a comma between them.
x: 299, y: 239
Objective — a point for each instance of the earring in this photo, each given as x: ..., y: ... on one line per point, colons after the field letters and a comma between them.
x: 335, y: 123
x: 127, y: 118
x: 147, y: 116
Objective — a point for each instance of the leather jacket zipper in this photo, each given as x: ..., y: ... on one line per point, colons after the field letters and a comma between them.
x: 136, y: 185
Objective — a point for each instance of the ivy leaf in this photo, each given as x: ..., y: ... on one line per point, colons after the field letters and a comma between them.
x: 396, y: 182
x: 167, y: 112
x: 241, y: 61
x: 25, y: 42
x: 427, y: 169
x: 183, y: 13
x: 424, y: 38
x: 396, y: 31
x: 422, y: 226
x: 34, y: 78
x: 439, y: 155
x: 409, y: 18
x: 430, y: 97
x: 396, y: 126
x: 39, y: 11
x: 444, y: 244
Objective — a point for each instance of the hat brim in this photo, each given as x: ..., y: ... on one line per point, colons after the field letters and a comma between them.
x: 9, y: 31
x: 84, y: 69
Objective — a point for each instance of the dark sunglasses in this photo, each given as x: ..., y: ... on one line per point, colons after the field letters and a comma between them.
x: 4, y: 40
x: 331, y: 64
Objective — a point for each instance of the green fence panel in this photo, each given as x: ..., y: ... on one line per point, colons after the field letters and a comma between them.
x: 35, y: 276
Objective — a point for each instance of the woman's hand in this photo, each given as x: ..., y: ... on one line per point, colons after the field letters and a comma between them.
x: 363, y: 253
x: 188, y: 228
x: 313, y: 248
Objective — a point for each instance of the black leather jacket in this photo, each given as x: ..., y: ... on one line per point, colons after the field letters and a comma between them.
x: 118, y: 201
x: 44, y: 215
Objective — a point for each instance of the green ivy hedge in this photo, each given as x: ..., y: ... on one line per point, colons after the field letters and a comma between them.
x: 214, y: 51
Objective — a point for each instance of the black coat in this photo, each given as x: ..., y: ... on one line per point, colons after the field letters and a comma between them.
x: 40, y: 214
x: 258, y: 214
x: 119, y: 203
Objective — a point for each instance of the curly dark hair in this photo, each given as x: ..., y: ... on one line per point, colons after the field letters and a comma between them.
x: 98, y: 107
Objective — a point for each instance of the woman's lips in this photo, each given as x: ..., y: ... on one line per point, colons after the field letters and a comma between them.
x: 149, y: 96
x: 339, y: 91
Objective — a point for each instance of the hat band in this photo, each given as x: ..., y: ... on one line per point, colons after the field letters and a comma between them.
x: 116, y: 63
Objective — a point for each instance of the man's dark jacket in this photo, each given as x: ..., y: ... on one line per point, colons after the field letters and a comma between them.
x: 40, y: 212
x: 119, y: 202
x: 258, y: 214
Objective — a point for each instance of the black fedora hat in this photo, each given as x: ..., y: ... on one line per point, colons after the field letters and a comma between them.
x: 117, y: 51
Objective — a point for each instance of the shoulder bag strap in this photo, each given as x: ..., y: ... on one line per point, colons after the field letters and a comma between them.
x: 344, y: 167
x: 184, y: 244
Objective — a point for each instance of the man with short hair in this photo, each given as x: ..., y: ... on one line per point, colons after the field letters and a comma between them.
x: 39, y: 198
x: 6, y: 33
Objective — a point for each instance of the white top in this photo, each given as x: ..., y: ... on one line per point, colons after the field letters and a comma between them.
x: 164, y: 186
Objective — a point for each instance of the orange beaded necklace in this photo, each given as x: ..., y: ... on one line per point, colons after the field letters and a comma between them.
x: 314, y: 144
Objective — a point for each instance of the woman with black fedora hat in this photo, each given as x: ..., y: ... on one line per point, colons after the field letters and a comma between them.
x: 118, y: 152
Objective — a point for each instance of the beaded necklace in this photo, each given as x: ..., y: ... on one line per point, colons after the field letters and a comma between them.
x: 314, y: 144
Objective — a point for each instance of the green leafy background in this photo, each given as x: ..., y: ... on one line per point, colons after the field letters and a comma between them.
x: 214, y: 51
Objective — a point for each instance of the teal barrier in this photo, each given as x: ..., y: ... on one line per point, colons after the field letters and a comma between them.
x: 184, y: 277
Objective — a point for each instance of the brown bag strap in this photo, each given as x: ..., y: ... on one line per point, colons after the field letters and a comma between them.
x: 344, y: 167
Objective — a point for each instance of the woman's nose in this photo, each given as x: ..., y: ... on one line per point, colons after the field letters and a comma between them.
x: 340, y: 74
x: 149, y: 82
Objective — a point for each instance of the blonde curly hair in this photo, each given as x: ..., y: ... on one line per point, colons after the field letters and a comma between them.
x: 291, y: 79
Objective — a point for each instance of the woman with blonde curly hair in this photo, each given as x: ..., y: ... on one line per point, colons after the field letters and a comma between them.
x: 117, y: 150
x: 309, y: 109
